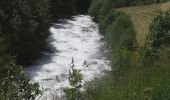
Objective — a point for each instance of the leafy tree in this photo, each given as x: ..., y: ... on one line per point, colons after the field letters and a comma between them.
x: 14, y: 85
x: 25, y: 23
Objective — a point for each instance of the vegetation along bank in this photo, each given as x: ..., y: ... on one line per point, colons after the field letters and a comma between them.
x: 139, y: 40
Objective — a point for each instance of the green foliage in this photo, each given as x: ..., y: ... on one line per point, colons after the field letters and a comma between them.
x: 159, y: 31
x: 108, y: 87
x: 162, y: 91
x: 121, y: 31
x: 100, y: 8
x: 120, y: 59
x: 24, y: 26
x: 105, y: 9
x: 107, y: 21
x: 157, y: 38
x: 75, y: 81
x: 25, y: 23
x: 120, y: 36
x: 94, y: 9
x: 137, y: 74
x: 14, y: 85
x: 75, y: 77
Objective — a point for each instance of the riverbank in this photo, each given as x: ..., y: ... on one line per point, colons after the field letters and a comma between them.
x: 138, y: 72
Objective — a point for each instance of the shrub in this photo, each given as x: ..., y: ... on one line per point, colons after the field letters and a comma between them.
x: 94, y: 9
x: 104, y: 23
x: 121, y: 32
x: 158, y: 37
x: 107, y: 6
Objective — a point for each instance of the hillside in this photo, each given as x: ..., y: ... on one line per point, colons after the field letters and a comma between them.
x: 142, y: 17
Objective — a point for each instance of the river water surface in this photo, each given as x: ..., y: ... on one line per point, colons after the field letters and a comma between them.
x: 76, y: 38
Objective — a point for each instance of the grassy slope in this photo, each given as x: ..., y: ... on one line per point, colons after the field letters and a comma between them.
x: 142, y: 17
x: 134, y: 81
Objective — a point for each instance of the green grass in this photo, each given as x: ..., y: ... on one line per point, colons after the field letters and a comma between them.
x: 132, y: 82
x: 130, y: 78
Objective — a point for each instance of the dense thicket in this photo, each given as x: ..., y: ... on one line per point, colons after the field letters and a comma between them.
x: 25, y: 25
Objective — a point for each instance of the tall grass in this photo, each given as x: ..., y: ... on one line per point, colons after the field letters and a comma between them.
x: 130, y: 78
x: 121, y: 38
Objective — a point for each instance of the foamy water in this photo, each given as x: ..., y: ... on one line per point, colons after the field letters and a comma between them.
x: 76, y: 38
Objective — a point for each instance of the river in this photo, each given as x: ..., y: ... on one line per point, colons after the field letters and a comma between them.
x: 76, y: 38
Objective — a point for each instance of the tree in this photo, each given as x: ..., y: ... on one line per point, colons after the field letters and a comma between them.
x: 14, y: 85
x: 25, y: 23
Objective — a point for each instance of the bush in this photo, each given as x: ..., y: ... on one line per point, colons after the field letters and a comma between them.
x: 121, y: 32
x: 159, y: 31
x: 104, y: 23
x: 158, y: 37
x: 94, y: 9
x: 106, y: 7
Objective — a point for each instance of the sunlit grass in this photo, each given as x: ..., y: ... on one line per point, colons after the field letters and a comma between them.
x: 142, y: 17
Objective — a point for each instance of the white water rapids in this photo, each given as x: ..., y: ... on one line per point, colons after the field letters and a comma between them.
x: 78, y: 38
